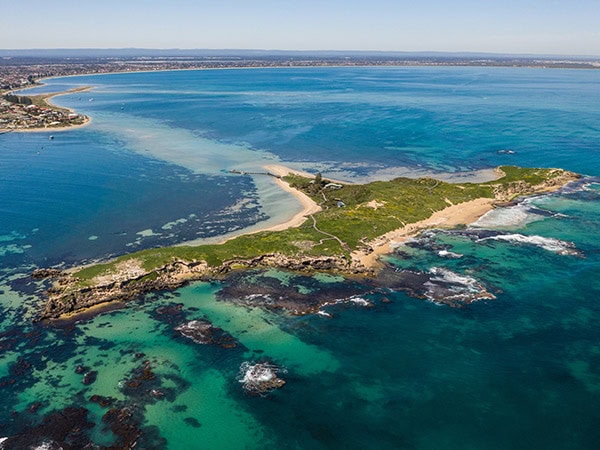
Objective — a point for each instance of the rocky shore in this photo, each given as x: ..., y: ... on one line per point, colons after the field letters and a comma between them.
x: 66, y: 297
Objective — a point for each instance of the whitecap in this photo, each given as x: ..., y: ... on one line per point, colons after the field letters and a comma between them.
x: 360, y: 301
x: 449, y: 254
x: 549, y: 244
x: 257, y: 373
x: 260, y: 378
x: 452, y: 288
x: 509, y: 217
x: 448, y: 276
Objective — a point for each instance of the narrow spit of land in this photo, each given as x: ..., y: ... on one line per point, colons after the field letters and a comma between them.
x: 350, y: 226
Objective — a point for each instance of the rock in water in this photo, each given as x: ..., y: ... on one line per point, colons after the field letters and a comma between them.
x: 203, y: 332
x: 260, y: 378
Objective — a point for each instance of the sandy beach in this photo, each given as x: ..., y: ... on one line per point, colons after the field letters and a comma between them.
x: 309, y: 206
x: 282, y: 171
x: 452, y: 216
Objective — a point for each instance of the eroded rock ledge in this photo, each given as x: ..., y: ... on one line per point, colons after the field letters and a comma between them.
x: 67, y: 296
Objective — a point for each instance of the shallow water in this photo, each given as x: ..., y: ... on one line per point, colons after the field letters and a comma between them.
x: 520, y: 371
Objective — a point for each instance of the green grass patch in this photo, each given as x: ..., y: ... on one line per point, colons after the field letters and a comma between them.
x: 369, y: 211
x: 532, y: 176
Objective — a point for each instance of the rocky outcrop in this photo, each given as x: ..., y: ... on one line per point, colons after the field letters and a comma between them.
x: 296, y: 264
x: 203, y: 332
x: 261, y: 378
x: 68, y: 296
x: 555, y: 179
x: 40, y: 274
x: 129, y: 279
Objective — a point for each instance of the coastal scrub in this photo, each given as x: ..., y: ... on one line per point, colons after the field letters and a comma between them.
x: 345, y: 236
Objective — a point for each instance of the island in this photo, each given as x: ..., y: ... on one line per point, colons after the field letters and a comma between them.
x: 344, y: 229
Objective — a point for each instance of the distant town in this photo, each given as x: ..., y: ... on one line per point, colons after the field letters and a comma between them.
x: 20, y: 69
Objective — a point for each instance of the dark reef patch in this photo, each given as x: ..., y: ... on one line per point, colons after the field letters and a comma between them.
x: 203, y: 332
x: 298, y: 294
x: 65, y: 429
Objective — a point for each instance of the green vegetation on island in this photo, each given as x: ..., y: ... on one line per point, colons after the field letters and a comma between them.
x: 352, y: 216
x: 340, y: 238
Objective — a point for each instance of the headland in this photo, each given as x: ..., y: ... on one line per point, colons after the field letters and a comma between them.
x: 343, y: 229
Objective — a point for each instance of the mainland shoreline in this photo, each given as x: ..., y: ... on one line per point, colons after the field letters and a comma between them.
x: 45, y: 101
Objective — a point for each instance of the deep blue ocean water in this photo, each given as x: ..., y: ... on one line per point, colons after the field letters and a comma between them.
x: 520, y: 371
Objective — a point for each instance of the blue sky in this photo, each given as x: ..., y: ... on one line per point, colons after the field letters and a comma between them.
x: 508, y: 26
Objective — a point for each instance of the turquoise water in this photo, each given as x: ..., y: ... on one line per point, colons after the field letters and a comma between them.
x: 520, y: 371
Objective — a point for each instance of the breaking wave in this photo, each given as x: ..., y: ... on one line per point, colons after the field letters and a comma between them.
x: 511, y: 217
x: 449, y: 254
x: 549, y: 244
x: 260, y: 378
x: 454, y: 289
x: 355, y: 300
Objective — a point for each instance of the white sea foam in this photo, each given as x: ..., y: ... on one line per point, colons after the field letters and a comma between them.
x: 354, y: 300
x: 550, y: 244
x: 360, y: 301
x: 257, y: 373
x: 448, y: 276
x: 44, y: 446
x: 449, y: 254
x: 452, y: 288
x: 261, y: 377
x: 510, y: 217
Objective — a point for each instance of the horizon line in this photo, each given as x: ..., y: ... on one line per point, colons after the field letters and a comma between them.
x: 308, y: 52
